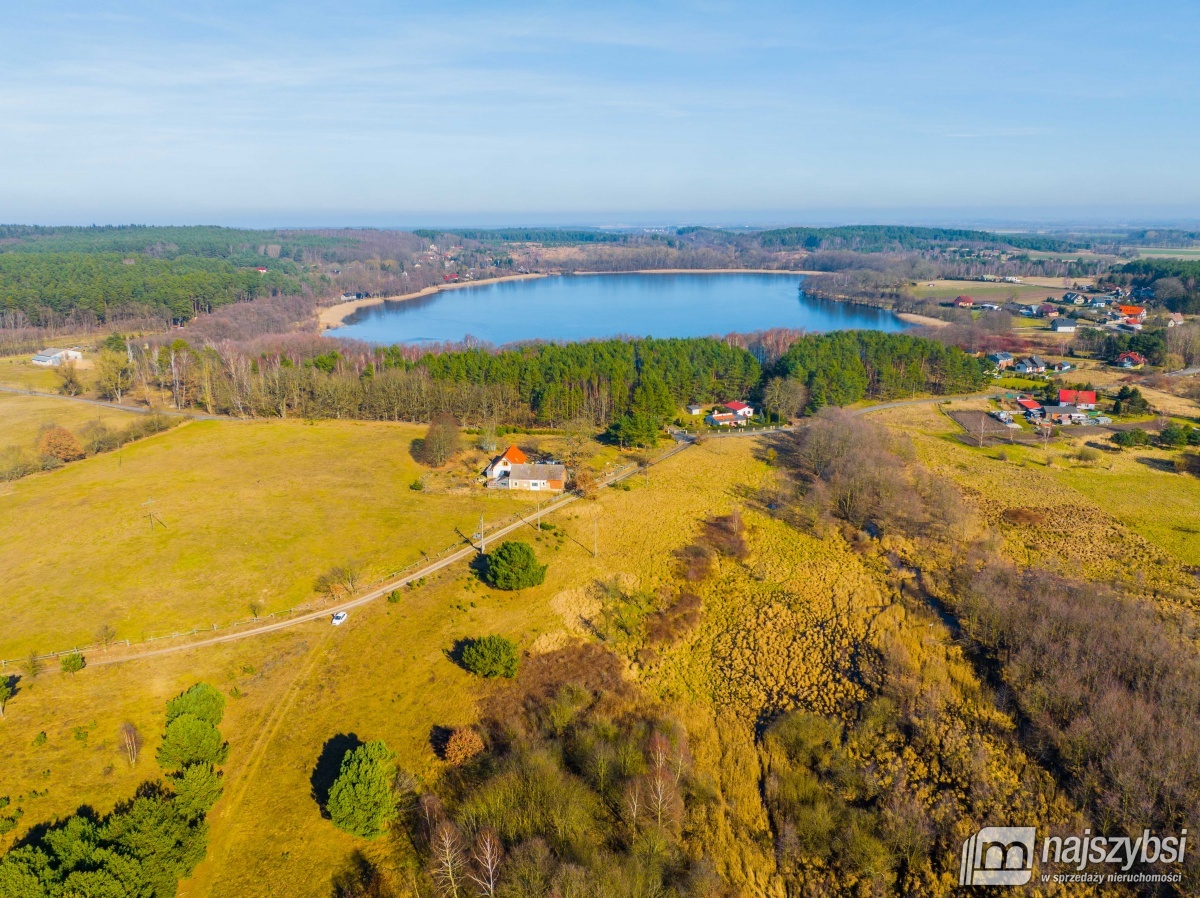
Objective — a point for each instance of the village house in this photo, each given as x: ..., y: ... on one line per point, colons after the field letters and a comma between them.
x: 1174, y: 319
x: 1064, y: 414
x: 964, y: 302
x: 1137, y: 313
x: 1085, y: 399
x: 1075, y: 299
x: 1131, y: 360
x: 695, y: 408
x: 502, y: 465
x: 1031, y: 365
x: 736, y: 414
x: 1063, y: 326
x: 1062, y: 366
x: 511, y: 471
x: 54, y: 358
x: 1047, y: 310
x: 1001, y: 360
x: 538, y: 477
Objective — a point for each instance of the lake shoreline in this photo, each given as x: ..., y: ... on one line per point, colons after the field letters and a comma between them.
x: 567, y: 308
x: 335, y: 316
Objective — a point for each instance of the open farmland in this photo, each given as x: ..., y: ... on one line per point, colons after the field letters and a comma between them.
x: 383, y: 675
x: 245, y: 512
x: 1127, y: 518
x: 18, y: 371
x: 22, y: 416
x: 989, y: 291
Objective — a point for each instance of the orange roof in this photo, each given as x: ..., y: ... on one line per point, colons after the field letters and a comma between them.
x: 514, y: 455
x: 1131, y: 310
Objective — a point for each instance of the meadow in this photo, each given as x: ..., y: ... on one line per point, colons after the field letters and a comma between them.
x: 245, y: 512
x: 1126, y: 518
x: 22, y: 417
x: 988, y: 291
x: 18, y: 371
x: 385, y: 674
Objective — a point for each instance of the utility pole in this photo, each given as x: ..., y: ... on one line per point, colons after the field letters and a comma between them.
x: 482, y: 538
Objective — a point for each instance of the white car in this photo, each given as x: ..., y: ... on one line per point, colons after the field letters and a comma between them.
x: 340, y: 618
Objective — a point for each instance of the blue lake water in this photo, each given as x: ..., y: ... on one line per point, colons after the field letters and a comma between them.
x: 581, y: 307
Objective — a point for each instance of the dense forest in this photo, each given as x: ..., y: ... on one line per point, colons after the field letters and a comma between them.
x: 595, y: 382
x: 845, y: 366
x: 48, y: 284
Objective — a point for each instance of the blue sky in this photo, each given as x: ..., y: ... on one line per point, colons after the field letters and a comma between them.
x: 394, y: 113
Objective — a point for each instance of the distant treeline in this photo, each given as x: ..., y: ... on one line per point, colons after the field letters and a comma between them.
x: 44, y: 285
x: 528, y: 235
x: 1175, y: 282
x: 882, y: 238
x: 165, y: 242
x: 858, y: 238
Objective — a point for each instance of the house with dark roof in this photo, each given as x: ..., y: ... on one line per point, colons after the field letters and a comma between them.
x: 537, y: 477
x: 54, y: 358
x: 1031, y: 365
x: 1001, y: 360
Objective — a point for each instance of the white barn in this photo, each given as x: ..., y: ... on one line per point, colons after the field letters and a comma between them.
x: 53, y: 358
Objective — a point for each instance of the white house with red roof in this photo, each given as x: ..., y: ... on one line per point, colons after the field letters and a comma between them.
x: 502, y: 465
x: 1085, y: 399
x: 736, y: 414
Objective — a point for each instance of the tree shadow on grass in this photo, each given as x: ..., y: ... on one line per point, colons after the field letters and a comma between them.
x: 439, y: 738
x: 1157, y: 464
x: 329, y: 764
x: 455, y: 652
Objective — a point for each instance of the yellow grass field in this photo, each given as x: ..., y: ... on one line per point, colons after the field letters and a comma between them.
x: 253, y: 511
x: 1127, y: 518
x: 384, y: 674
x: 18, y: 371
x: 987, y: 291
x: 21, y: 416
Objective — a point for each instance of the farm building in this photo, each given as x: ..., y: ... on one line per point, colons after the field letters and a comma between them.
x: 1063, y: 326
x: 695, y: 408
x: 54, y: 358
x: 964, y: 302
x: 549, y: 478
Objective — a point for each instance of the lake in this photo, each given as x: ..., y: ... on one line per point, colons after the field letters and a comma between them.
x: 582, y: 307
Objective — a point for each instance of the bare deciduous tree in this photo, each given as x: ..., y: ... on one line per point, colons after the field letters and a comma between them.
x: 446, y: 854
x: 131, y: 741
x: 486, y: 860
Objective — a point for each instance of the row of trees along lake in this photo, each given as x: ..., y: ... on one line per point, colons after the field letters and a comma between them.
x: 596, y: 382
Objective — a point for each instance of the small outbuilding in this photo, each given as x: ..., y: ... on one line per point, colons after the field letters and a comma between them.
x: 55, y: 358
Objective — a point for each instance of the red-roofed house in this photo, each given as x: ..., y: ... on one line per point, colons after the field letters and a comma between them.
x: 1079, y: 398
x: 1045, y: 310
x: 1030, y: 405
x: 741, y: 409
x: 502, y: 465
x: 965, y: 302
x: 1136, y: 312
x: 1131, y: 360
